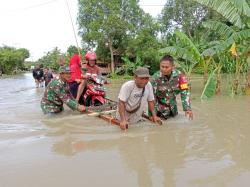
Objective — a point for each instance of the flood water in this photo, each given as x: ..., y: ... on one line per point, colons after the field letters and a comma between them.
x: 72, y: 149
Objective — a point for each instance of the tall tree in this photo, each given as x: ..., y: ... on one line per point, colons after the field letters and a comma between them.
x: 184, y: 15
x: 51, y: 59
x: 145, y: 43
x: 107, y: 22
x: 72, y: 50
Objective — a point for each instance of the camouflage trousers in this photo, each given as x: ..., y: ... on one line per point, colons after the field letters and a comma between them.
x: 165, y: 112
x: 51, y: 108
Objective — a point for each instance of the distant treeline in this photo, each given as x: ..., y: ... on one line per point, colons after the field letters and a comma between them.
x: 12, y: 59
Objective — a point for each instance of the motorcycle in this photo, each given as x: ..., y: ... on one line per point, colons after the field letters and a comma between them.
x: 94, y: 93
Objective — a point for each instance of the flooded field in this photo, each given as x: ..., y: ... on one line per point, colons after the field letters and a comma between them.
x: 71, y: 149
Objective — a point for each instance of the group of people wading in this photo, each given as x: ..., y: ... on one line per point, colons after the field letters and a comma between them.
x: 156, y: 93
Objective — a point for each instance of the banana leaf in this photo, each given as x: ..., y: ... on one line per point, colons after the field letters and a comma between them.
x: 210, y: 87
x: 227, y: 9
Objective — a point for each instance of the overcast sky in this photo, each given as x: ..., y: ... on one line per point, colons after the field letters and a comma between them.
x: 41, y: 25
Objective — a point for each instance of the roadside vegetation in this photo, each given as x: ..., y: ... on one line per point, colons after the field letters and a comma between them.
x: 208, y: 37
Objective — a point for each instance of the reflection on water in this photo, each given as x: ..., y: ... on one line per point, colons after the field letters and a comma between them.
x: 71, y: 149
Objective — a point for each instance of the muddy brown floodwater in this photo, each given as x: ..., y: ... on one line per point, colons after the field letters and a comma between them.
x: 71, y: 149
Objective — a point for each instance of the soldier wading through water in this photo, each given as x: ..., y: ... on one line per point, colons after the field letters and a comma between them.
x: 57, y: 93
x: 167, y: 83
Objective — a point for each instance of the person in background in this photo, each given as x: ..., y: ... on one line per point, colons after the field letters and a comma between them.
x: 38, y: 75
x: 61, y: 60
x: 57, y: 93
x: 47, y: 76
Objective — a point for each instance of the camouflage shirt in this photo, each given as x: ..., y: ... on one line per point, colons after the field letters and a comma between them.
x: 165, y: 91
x: 57, y: 93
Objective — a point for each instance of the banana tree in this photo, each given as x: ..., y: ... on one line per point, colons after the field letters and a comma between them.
x: 238, y: 13
x: 235, y: 11
x: 217, y: 66
x: 210, y: 86
x: 230, y: 37
x: 187, y: 68
x: 240, y: 65
x: 131, y: 66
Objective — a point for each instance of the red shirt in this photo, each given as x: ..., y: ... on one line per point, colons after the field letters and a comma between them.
x: 75, y: 67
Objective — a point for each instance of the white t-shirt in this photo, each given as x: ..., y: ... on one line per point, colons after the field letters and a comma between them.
x: 131, y: 95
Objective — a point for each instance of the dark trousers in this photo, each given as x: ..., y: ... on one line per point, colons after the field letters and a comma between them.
x: 73, y: 86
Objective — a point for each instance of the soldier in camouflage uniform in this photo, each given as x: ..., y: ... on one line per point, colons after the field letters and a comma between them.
x: 167, y: 83
x: 57, y: 93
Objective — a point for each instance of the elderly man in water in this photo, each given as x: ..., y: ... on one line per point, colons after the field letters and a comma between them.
x: 57, y: 93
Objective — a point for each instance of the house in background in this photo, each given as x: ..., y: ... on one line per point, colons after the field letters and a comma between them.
x: 105, y: 67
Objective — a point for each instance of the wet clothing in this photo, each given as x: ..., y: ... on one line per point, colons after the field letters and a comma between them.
x: 136, y: 100
x: 165, y: 90
x: 57, y: 93
x: 37, y: 74
x: 75, y: 68
x: 73, y: 86
x: 47, y: 78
